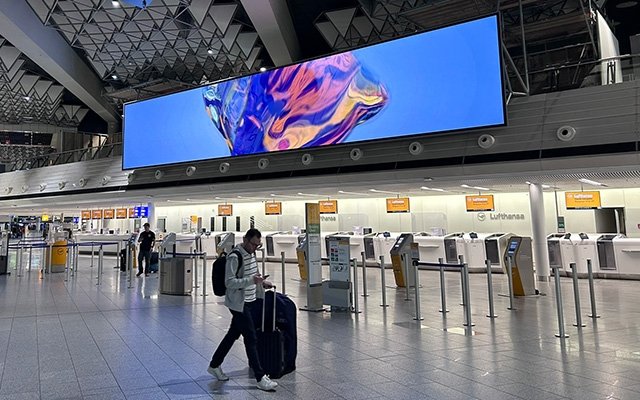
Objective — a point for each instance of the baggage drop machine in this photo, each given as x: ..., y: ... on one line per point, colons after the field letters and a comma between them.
x: 495, y: 247
x: 454, y: 247
x: 520, y: 252
x: 404, y: 254
x: 302, y: 254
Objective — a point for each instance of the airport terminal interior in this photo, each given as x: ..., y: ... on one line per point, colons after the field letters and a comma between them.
x: 447, y: 192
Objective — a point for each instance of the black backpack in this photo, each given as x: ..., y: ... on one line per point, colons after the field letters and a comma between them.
x: 218, y: 273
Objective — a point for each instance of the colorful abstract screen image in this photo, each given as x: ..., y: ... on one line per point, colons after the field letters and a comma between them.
x: 443, y: 80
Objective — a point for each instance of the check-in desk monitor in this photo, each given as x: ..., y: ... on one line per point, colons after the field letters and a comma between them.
x: 553, y: 248
x: 521, y: 254
x: 271, y: 251
x: 495, y: 245
x: 606, y: 253
x: 402, y: 249
x: 453, y: 247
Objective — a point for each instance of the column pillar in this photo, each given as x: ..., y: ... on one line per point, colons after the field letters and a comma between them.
x: 540, y: 254
x: 153, y: 222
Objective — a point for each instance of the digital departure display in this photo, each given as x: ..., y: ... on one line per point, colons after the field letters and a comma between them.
x: 443, y: 80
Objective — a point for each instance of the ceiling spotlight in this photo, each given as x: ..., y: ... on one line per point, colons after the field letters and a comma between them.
x: 114, y: 76
x: 210, y: 51
x: 27, y: 98
x: 590, y: 182
x: 115, y: 3
x: 262, y: 69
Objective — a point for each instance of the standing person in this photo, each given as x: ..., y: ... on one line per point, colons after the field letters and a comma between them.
x: 240, y: 298
x: 146, y: 239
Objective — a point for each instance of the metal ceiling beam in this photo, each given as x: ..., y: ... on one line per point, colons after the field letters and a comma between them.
x: 272, y: 21
x: 46, y: 47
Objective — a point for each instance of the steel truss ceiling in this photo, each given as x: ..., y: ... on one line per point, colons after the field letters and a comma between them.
x: 191, y: 41
x: 26, y: 97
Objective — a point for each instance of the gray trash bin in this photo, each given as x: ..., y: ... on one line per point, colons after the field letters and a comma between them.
x: 176, y: 276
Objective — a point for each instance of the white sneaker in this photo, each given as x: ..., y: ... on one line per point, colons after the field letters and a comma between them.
x: 267, y: 384
x: 217, y: 372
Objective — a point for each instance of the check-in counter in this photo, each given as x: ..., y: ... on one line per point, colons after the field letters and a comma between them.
x: 454, y: 247
x: 382, y: 244
x: 431, y: 248
x: 577, y: 248
x: 286, y: 242
x: 475, y: 250
x: 627, y: 259
x: 357, y: 245
x: 109, y: 249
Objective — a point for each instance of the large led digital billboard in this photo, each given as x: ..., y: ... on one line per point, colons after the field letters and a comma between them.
x: 443, y: 80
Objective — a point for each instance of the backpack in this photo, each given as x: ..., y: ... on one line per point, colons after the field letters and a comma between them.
x: 218, y: 273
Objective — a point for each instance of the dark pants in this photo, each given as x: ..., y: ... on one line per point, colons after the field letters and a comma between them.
x: 146, y: 256
x: 241, y: 324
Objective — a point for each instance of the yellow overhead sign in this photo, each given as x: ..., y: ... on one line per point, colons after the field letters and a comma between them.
x: 225, y: 210
x: 399, y: 205
x: 480, y: 203
x: 273, y: 208
x: 582, y: 200
x: 328, y: 206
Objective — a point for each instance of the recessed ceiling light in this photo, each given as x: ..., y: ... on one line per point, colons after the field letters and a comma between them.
x: 354, y: 193
x: 474, y: 187
x: 27, y: 98
x: 210, y: 51
x: 115, y: 3
x: 114, y: 76
x: 262, y: 69
x: 432, y: 189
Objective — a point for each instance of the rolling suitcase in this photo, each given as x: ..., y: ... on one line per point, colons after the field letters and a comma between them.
x: 271, y: 346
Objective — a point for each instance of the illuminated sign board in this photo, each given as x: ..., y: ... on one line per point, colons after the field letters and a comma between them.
x: 399, y: 205
x: 443, y: 80
x: 108, y: 213
x: 273, y: 208
x: 121, y: 213
x: 480, y: 203
x: 140, y: 212
x: 328, y: 206
x: 96, y: 214
x: 86, y: 214
x: 225, y: 210
x: 582, y: 200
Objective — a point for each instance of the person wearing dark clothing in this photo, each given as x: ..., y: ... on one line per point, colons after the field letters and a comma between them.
x: 146, y: 239
x: 241, y: 279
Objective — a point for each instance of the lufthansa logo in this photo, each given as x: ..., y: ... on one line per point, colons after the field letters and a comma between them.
x: 482, y: 216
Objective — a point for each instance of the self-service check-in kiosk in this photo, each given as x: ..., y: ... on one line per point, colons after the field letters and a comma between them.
x: 176, y: 270
x: 402, y: 254
x: 575, y: 248
x: 225, y: 242
x: 431, y: 248
x: 302, y: 255
x: 627, y: 257
x: 495, y: 246
x: 606, y: 254
x: 521, y: 254
x: 454, y: 247
x: 554, y: 250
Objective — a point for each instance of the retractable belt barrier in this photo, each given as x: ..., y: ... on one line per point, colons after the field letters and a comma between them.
x: 464, y: 281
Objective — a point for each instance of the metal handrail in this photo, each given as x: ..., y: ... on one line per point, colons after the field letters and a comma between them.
x: 105, y: 150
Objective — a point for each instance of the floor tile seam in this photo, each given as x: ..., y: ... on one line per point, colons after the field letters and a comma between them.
x: 6, y: 351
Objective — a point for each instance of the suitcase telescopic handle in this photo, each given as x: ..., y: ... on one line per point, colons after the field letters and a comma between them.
x: 264, y: 305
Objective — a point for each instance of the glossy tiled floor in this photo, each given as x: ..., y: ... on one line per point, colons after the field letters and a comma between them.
x: 78, y: 340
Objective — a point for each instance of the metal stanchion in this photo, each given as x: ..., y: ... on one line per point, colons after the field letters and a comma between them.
x: 76, y: 252
x: 592, y: 292
x: 30, y: 255
x: 405, y: 267
x: 384, y: 284
x: 264, y: 261
x: 118, y: 249
x: 100, y: 264
x: 70, y: 258
x: 130, y: 263
x: 490, y: 289
x: 50, y: 257
x: 467, y: 295
x: 510, y: 281
x: 204, y: 274
x: 282, y: 266
x: 19, y: 259
x: 355, y: 286
x: 443, y: 296
x: 556, y: 277
x: 92, y: 253
x: 461, y: 261
x: 416, y: 282
x: 576, y: 295
x: 67, y: 266
x: 364, y: 275
x: 195, y: 266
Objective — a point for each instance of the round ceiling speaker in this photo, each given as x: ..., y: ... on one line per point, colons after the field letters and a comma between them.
x: 159, y: 174
x: 486, y: 141
x: 566, y: 133
x: 224, y: 167
x: 355, y: 154
x: 263, y: 163
x: 190, y: 170
x: 416, y: 148
x: 82, y: 182
x: 307, y: 159
x: 106, y: 179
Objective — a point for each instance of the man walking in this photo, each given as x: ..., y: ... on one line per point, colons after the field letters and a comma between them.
x: 146, y: 239
x: 241, y: 278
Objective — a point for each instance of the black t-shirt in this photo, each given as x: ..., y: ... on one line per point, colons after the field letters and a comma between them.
x: 145, y: 239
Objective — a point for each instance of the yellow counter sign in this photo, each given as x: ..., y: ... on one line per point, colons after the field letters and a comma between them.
x: 328, y: 206
x: 480, y: 203
x: 225, y: 210
x: 582, y: 200
x: 399, y: 205
x: 273, y: 208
